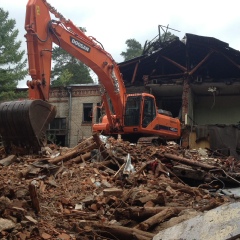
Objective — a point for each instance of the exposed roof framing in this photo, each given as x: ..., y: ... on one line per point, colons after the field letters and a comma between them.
x: 197, y: 58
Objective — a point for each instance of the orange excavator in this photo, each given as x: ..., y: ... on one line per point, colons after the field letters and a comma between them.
x: 24, y: 123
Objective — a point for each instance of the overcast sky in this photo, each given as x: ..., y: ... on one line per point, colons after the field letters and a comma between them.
x: 113, y: 22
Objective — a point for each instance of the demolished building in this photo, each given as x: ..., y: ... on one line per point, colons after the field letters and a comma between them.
x: 197, y: 79
x: 106, y: 188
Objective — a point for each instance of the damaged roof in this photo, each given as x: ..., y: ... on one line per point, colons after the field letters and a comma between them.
x: 198, y: 58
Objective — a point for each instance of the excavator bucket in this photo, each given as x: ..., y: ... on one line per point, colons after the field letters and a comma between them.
x: 24, y: 123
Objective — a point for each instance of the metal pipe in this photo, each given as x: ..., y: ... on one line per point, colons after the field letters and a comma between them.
x: 69, y: 89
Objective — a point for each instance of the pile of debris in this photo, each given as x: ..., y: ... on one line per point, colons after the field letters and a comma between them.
x: 105, y: 188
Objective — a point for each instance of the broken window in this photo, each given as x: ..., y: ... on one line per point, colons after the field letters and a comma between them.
x: 87, y: 112
x: 57, y: 131
x: 58, y: 123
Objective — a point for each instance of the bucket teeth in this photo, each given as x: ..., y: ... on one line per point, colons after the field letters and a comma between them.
x: 24, y: 123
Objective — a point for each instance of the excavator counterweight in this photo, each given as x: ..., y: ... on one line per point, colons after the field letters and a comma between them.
x: 24, y: 123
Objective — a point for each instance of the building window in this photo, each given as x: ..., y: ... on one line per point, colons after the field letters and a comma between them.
x: 87, y: 112
x: 58, y: 123
x: 99, y: 112
x: 57, y: 131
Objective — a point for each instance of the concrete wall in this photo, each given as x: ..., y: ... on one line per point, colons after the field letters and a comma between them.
x: 221, y: 110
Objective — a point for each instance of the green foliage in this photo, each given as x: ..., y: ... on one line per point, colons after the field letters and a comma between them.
x: 134, y: 49
x: 167, y: 36
x: 12, y: 65
x: 64, y: 79
x: 68, y: 70
x: 13, y: 95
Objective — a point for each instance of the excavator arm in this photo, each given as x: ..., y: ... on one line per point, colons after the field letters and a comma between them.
x: 24, y: 123
x: 42, y: 32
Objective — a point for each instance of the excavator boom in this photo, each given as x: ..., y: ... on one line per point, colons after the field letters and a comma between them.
x: 23, y: 123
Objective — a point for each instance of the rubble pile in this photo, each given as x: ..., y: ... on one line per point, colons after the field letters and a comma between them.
x: 109, y: 189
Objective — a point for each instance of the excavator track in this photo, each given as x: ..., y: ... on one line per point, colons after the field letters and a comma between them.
x: 24, y: 123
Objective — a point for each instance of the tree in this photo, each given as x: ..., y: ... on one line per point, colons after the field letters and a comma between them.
x: 12, y: 64
x: 134, y: 49
x: 65, y: 77
x: 167, y: 36
x: 68, y: 70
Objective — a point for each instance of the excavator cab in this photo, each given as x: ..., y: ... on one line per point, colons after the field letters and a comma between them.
x: 24, y: 123
x: 140, y: 110
x: 133, y: 110
x: 149, y: 111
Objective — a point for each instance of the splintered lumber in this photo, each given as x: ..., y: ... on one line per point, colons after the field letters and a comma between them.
x: 120, y: 232
x: 34, y: 197
x: 82, y: 157
x: 100, y: 146
x: 156, y: 198
x: 103, y: 165
x: 186, y: 189
x: 212, y: 204
x: 118, y: 171
x: 141, y: 213
x: 82, y: 147
x: 158, y: 218
x: 189, y: 162
x: 112, y: 191
x: 143, y: 167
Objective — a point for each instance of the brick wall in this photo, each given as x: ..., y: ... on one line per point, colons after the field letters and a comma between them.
x: 72, y: 109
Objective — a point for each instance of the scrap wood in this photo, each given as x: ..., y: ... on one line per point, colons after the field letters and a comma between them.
x: 73, y: 153
x: 155, y: 198
x: 105, y: 167
x: 212, y: 204
x: 143, y: 167
x: 122, y: 233
x: 100, y: 146
x: 141, y: 213
x: 81, y: 158
x: 85, y: 142
x: 193, y: 191
x: 118, y: 171
x: 189, y: 162
x: 34, y: 197
x: 158, y: 218
x: 79, y: 214
x: 104, y: 152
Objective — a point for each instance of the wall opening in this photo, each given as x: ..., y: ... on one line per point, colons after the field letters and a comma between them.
x: 87, y: 112
x: 57, y: 131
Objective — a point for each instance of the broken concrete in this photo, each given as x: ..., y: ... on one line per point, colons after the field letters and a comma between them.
x: 218, y: 224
